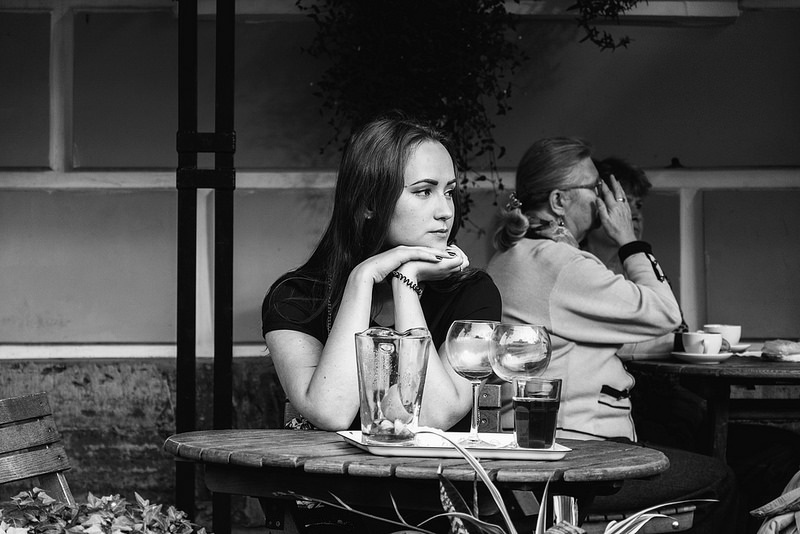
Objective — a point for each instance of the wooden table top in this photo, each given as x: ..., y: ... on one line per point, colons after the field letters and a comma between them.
x: 321, y: 453
x: 734, y: 368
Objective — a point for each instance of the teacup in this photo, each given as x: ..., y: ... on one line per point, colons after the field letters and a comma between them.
x: 730, y: 332
x: 702, y: 342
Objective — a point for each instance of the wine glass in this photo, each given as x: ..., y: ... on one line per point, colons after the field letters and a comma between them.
x: 521, y: 351
x: 469, y: 346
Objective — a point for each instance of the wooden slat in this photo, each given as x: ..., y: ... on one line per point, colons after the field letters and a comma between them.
x: 760, y: 409
x: 33, y: 463
x: 34, y: 433
x: 25, y: 407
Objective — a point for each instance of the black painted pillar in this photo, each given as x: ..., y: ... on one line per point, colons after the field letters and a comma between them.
x: 222, y: 179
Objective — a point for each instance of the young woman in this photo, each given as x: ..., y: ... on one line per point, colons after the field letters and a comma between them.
x: 387, y: 258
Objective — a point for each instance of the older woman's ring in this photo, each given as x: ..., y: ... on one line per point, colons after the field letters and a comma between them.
x: 621, y: 199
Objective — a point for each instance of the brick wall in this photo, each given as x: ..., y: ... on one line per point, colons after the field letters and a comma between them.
x: 114, y: 416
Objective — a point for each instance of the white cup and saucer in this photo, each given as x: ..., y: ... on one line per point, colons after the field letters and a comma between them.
x: 702, y: 347
x: 732, y: 333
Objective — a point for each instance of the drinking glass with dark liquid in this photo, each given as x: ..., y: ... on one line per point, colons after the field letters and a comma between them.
x: 536, y: 403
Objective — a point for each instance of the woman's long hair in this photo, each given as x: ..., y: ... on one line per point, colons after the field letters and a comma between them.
x: 368, y: 185
x: 544, y: 167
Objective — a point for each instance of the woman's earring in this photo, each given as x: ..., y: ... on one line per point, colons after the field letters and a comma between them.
x: 369, y: 214
x: 561, y: 221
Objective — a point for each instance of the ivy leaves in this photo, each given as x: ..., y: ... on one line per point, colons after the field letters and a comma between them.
x: 589, y: 11
x: 448, y: 62
x: 35, y: 512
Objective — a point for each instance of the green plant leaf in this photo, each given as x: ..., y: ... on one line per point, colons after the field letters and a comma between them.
x: 632, y: 524
x: 483, y: 526
x: 452, y: 501
x: 340, y: 504
x: 540, y: 527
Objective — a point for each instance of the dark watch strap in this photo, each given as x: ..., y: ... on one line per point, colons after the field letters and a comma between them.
x: 635, y: 247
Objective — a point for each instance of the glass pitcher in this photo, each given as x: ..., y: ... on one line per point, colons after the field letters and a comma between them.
x: 391, y: 378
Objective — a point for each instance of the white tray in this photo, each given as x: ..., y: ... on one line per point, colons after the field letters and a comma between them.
x: 432, y: 446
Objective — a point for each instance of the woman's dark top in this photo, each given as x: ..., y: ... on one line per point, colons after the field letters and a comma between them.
x: 291, y: 304
x: 295, y: 303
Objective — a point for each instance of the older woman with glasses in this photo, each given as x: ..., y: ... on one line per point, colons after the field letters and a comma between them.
x: 545, y: 278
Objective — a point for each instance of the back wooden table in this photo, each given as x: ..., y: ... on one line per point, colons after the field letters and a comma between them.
x: 713, y: 382
x: 271, y: 463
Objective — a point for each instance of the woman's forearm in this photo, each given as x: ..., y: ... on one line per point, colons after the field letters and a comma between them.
x: 330, y: 399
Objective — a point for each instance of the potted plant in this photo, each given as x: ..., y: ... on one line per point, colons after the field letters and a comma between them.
x: 35, y: 512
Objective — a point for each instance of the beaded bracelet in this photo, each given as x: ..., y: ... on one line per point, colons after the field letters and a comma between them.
x: 407, y: 281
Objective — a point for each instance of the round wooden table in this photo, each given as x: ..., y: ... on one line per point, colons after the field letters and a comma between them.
x: 280, y: 464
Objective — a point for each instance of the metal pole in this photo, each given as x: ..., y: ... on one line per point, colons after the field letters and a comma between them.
x: 185, y: 415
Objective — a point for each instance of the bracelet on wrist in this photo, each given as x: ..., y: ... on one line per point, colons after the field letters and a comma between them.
x: 407, y: 281
x: 634, y: 247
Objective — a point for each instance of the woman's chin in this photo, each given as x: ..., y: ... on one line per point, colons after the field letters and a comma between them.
x: 436, y: 241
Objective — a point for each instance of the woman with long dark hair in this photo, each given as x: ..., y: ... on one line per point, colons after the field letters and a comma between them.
x: 387, y: 258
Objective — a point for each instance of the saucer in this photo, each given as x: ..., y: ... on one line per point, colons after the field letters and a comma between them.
x: 739, y: 347
x: 691, y: 357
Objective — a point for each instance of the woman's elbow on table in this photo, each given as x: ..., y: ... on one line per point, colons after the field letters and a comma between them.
x: 332, y: 417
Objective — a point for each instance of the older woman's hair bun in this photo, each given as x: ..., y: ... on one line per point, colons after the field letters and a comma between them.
x: 513, y: 226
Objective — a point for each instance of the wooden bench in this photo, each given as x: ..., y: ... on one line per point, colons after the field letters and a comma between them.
x: 30, y: 446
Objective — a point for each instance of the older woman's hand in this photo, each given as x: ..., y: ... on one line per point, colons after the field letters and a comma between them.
x: 615, y: 213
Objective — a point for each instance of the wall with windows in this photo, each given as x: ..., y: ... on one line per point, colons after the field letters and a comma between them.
x: 90, y: 246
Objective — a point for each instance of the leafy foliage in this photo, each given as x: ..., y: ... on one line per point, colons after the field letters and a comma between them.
x: 35, y: 512
x: 590, y: 11
x: 447, y: 62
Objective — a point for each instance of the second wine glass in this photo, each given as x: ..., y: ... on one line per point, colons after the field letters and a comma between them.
x: 469, y: 346
x: 521, y: 352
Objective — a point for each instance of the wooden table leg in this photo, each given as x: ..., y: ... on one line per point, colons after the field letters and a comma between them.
x: 718, y: 397
x: 279, y: 517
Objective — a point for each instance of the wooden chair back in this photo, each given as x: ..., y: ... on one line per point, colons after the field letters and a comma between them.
x: 30, y: 446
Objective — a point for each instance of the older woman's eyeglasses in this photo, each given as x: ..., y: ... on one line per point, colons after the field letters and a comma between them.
x: 597, y: 187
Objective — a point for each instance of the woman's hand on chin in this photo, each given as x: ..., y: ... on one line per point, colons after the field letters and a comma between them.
x: 378, y: 267
x: 454, y: 261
